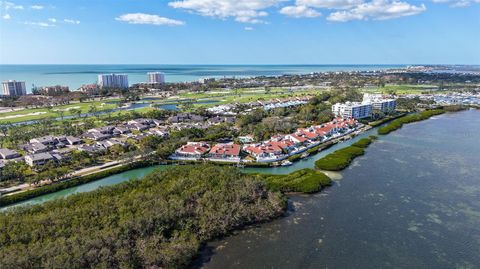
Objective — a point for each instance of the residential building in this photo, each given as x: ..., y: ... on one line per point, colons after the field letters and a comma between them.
x: 185, y: 117
x: 8, y: 154
x: 38, y: 159
x: 380, y: 103
x: 156, y: 77
x: 35, y: 147
x: 354, y: 110
x: 113, y: 81
x: 13, y: 88
x: 225, y: 152
x: 191, y: 151
x: 265, y: 152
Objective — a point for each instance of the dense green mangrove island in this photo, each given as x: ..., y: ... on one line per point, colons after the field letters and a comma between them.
x: 398, y: 123
x: 305, y: 180
x: 160, y: 221
x: 341, y: 158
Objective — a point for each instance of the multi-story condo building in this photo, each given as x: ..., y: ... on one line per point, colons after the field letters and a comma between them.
x: 113, y: 81
x: 156, y: 77
x: 13, y: 88
x: 384, y: 105
x: 380, y: 103
x: 354, y: 110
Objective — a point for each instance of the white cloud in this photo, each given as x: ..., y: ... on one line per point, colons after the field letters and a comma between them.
x: 36, y: 7
x: 141, y: 18
x: 330, y: 4
x: 6, y: 17
x: 247, y: 11
x: 377, y: 10
x: 41, y: 24
x: 457, y: 3
x: 71, y: 21
x: 52, y: 20
x: 9, y: 5
x: 300, y: 12
x: 248, y: 28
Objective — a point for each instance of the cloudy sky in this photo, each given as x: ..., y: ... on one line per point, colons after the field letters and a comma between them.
x: 240, y: 31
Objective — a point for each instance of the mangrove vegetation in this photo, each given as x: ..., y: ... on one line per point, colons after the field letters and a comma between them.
x: 160, y: 221
x: 340, y: 159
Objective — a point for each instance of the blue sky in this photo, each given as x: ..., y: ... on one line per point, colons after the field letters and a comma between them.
x: 240, y: 31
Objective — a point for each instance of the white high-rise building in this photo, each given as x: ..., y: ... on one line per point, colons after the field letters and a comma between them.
x: 13, y: 88
x: 352, y: 110
x: 113, y: 81
x: 156, y: 77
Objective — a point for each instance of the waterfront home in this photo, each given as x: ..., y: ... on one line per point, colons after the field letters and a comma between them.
x: 38, y: 159
x: 225, y: 152
x: 8, y: 154
x: 265, y: 152
x: 299, y: 140
x: 191, y: 151
x: 308, y: 133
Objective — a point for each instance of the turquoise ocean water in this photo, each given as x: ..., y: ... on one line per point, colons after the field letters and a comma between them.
x: 76, y: 75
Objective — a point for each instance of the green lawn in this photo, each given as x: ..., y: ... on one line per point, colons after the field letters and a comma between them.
x: 43, y: 113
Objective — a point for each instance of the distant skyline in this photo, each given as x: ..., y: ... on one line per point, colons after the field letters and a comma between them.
x: 240, y: 32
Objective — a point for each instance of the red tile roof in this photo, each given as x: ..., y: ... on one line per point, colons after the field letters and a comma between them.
x: 226, y: 149
x: 194, y: 148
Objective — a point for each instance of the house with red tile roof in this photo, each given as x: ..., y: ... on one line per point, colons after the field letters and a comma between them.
x: 191, y: 151
x: 265, y: 152
x: 225, y: 152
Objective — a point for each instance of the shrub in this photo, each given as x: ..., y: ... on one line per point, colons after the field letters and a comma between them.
x: 305, y: 180
x: 157, y: 222
x: 398, y: 123
x: 339, y: 159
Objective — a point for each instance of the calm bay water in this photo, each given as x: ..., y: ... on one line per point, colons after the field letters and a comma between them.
x: 76, y: 75
x: 413, y: 201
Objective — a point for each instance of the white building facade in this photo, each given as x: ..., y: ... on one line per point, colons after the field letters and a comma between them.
x: 13, y: 88
x: 380, y: 103
x: 353, y: 110
x: 156, y: 77
x: 113, y: 81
